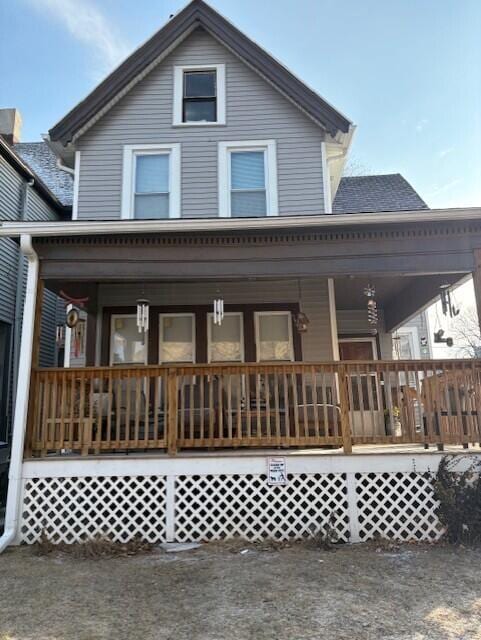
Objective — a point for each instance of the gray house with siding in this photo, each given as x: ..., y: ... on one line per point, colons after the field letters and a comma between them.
x: 32, y: 189
x: 236, y: 291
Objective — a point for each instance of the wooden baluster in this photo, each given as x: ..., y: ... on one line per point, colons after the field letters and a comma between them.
x: 304, y: 403
x: 277, y: 409
x: 110, y: 399
x: 315, y: 409
x: 229, y: 407
x: 172, y: 412
x: 268, y: 403
x: 344, y: 402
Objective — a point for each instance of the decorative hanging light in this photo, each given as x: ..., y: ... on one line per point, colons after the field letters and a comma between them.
x: 142, y: 315
x: 300, y: 319
x: 218, y: 311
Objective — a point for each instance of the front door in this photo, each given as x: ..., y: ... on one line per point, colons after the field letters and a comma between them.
x: 366, y: 404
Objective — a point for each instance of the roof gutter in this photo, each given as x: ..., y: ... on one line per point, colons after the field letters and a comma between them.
x: 189, y: 225
x: 21, y: 401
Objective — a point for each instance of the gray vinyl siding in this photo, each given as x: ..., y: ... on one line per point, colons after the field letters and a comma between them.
x: 11, y: 204
x: 312, y: 295
x: 254, y: 110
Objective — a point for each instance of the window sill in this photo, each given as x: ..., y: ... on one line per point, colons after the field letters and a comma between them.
x: 199, y: 124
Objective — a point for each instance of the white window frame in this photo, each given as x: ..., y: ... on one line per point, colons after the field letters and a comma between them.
x: 413, y: 334
x: 179, y: 71
x: 259, y: 314
x: 241, y: 337
x: 373, y: 341
x: 113, y: 318
x: 225, y: 150
x: 131, y: 151
x: 161, y: 334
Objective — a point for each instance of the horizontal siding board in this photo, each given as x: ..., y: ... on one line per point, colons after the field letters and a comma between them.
x: 255, y: 110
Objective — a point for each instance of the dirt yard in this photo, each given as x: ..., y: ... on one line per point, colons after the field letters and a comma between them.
x: 244, y: 592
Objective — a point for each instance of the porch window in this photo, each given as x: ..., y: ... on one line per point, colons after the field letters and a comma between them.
x: 274, y: 336
x: 176, y: 337
x: 226, y: 341
x: 151, y: 189
x: 247, y: 179
x: 127, y: 345
x: 199, y: 95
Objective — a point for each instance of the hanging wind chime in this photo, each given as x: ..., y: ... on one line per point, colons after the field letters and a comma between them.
x: 142, y: 315
x: 300, y: 319
x: 372, y: 313
x: 218, y: 311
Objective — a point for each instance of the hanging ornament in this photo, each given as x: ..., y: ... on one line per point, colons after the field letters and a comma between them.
x: 218, y: 311
x: 302, y: 322
x: 300, y: 319
x: 372, y: 312
x: 142, y: 315
x: 73, y: 316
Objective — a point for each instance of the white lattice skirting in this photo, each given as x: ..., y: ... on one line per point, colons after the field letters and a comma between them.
x: 158, y: 499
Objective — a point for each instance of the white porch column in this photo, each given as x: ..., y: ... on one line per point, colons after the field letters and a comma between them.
x: 22, y: 397
x: 333, y: 318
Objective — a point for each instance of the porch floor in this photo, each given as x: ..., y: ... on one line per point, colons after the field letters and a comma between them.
x: 375, y: 450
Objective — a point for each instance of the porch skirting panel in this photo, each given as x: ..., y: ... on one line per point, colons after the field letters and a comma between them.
x: 218, y: 497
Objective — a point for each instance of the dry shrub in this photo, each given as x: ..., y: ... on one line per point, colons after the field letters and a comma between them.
x: 459, y: 497
x: 97, y: 547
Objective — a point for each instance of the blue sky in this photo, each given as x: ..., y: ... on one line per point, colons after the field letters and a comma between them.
x: 407, y: 72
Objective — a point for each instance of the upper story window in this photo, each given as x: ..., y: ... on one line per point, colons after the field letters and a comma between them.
x: 151, y: 182
x: 247, y: 179
x: 199, y: 95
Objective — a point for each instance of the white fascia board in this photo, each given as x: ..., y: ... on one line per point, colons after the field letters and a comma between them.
x: 189, y: 226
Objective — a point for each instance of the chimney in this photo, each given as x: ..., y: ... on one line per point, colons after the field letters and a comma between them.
x: 10, y: 125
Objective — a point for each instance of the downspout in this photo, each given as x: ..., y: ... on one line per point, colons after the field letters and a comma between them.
x: 21, y: 401
x: 63, y: 167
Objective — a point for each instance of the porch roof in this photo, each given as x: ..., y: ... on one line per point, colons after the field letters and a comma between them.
x: 184, y: 225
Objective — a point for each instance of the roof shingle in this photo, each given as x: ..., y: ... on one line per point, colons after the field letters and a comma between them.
x: 42, y: 160
x: 370, y: 194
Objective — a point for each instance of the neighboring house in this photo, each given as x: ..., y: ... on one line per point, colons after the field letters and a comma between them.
x: 238, y: 293
x: 413, y: 340
x: 29, y: 192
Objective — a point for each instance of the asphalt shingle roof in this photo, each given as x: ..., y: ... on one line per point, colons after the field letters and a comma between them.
x: 369, y: 194
x: 42, y: 160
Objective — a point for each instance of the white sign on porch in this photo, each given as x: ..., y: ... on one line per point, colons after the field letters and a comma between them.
x: 276, y: 471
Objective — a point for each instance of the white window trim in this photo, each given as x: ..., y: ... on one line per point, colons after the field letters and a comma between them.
x: 76, y: 186
x: 179, y: 90
x: 270, y: 155
x: 241, y: 337
x: 413, y: 334
x: 130, y: 153
x: 259, y: 314
x: 113, y: 318
x: 161, y: 333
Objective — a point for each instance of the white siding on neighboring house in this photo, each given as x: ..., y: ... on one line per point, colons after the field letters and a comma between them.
x: 255, y: 111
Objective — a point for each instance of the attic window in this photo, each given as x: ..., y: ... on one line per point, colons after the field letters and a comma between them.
x: 199, y: 95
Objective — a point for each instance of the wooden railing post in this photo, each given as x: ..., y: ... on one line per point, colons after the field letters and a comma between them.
x: 344, y: 406
x: 172, y: 411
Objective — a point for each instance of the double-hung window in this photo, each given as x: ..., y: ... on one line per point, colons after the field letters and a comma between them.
x: 247, y: 179
x: 274, y: 336
x: 151, y: 182
x: 199, y: 95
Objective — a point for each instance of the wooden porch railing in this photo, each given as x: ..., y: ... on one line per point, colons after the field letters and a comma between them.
x: 102, y: 409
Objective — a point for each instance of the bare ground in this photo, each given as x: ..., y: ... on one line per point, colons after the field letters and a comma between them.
x: 217, y: 592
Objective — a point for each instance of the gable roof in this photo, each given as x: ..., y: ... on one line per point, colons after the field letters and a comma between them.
x: 42, y: 160
x: 370, y: 194
x: 194, y: 15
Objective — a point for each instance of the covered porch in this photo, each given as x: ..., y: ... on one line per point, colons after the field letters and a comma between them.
x: 295, y: 362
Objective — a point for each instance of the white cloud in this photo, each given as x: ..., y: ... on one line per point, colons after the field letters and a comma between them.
x: 447, y: 186
x: 90, y: 27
